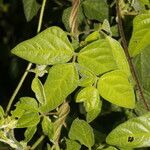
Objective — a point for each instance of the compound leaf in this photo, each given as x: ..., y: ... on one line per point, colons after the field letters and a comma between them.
x: 133, y: 133
x: 81, y: 131
x: 62, y: 80
x: 47, y: 48
x: 115, y: 87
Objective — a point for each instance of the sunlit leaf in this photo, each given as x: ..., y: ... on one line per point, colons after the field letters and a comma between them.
x: 1, y: 112
x: 134, y: 133
x: 91, y: 99
x: 115, y: 87
x: 25, y: 104
x: 141, y: 34
x: 108, y: 148
x: 61, y: 81
x: 81, y: 131
x: 93, y: 37
x: 49, y: 47
x: 38, y: 89
x: 98, y: 57
x: 88, y: 78
x: 28, y: 103
x: 72, y: 145
x: 104, y: 55
x: 31, y: 8
x: 47, y: 127
x: 119, y: 55
x: 28, y: 119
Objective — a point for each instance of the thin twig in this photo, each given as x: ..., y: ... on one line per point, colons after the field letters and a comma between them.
x: 29, y: 65
x: 37, y: 142
x: 125, y: 46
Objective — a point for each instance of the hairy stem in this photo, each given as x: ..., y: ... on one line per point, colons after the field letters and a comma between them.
x: 29, y: 65
x: 125, y: 46
x: 73, y: 17
x: 37, y: 142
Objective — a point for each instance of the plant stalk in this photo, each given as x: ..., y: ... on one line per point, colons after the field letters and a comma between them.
x: 125, y: 47
x: 29, y: 65
x: 37, y: 142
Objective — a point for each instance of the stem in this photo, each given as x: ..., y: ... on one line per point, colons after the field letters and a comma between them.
x: 41, y: 16
x: 29, y: 65
x: 73, y: 17
x: 37, y: 142
x: 125, y: 47
x: 18, y: 88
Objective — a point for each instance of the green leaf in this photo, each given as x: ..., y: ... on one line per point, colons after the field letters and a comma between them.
x: 25, y: 104
x: 115, y: 87
x: 106, y: 26
x: 119, y: 55
x: 114, y: 30
x: 29, y: 133
x: 92, y: 37
x: 142, y: 65
x: 28, y: 103
x: 133, y: 133
x: 96, y: 10
x: 18, y: 112
x: 47, y: 48
x: 91, y: 99
x: 104, y: 55
x: 109, y: 148
x: 88, y: 78
x: 140, y: 108
x: 38, y: 89
x: 62, y: 80
x: 1, y: 112
x: 31, y: 8
x: 72, y: 145
x: 81, y: 131
x: 98, y: 57
x: 141, y: 34
x: 28, y: 119
x: 47, y: 127
x: 142, y: 5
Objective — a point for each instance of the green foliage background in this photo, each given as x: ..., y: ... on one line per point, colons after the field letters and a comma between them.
x: 90, y: 118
